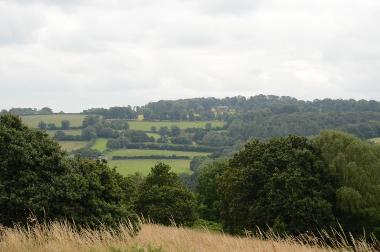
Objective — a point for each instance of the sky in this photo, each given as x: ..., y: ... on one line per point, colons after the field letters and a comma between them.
x: 75, y: 54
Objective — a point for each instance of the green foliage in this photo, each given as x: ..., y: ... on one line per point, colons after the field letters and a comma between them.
x: 282, y: 183
x: 207, y: 185
x: 163, y: 198
x: 37, y: 178
x: 356, y: 164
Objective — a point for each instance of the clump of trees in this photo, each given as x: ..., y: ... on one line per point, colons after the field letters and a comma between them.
x: 294, y: 185
x: 38, y: 179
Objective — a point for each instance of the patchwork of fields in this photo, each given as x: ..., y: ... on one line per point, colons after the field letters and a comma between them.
x: 128, y: 166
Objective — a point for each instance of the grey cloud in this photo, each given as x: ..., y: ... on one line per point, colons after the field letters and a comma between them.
x: 115, y: 52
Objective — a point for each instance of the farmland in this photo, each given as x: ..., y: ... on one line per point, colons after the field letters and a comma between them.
x: 72, y: 145
x: 33, y: 120
x: 141, y: 152
x: 128, y: 167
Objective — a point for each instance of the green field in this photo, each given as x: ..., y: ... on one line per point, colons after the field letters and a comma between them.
x: 146, y: 125
x: 141, y: 152
x: 74, y: 132
x: 72, y: 145
x: 155, y: 135
x: 143, y: 166
x: 33, y: 120
x: 100, y: 144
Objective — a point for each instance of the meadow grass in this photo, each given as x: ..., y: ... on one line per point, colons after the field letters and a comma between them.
x: 63, y: 237
x: 143, y: 152
x: 33, y: 120
x: 100, y: 144
x: 72, y: 145
x: 143, y: 166
x: 147, y: 125
x: 72, y: 132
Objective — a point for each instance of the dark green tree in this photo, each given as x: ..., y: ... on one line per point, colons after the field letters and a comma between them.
x: 37, y: 178
x: 207, y: 185
x: 163, y: 198
x: 280, y: 183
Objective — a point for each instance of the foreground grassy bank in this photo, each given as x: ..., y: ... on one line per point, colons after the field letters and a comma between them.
x: 62, y: 237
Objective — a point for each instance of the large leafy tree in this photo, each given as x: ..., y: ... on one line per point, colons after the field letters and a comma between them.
x: 163, y: 198
x: 357, y: 165
x: 37, y: 178
x: 282, y: 183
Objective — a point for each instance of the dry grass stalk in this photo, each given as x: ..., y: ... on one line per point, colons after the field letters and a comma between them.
x: 61, y: 236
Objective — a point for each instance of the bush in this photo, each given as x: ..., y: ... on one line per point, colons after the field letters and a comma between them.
x: 38, y: 178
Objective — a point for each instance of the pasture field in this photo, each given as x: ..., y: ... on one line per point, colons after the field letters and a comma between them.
x: 100, y: 144
x: 72, y: 145
x: 146, y: 125
x: 143, y: 166
x: 143, y: 152
x: 33, y: 120
x: 73, y: 132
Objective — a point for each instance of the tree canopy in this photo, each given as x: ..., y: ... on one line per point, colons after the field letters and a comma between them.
x: 37, y: 178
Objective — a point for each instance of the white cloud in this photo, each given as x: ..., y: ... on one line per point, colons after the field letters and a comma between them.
x: 81, y: 53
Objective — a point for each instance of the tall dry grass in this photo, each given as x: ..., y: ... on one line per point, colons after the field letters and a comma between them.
x: 61, y: 236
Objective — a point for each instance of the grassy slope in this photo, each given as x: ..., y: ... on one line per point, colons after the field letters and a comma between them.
x: 33, y: 120
x: 142, y: 152
x: 146, y: 125
x: 60, y: 237
x: 72, y: 145
x: 143, y: 166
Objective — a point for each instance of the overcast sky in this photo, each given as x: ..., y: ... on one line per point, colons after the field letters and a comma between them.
x: 75, y: 54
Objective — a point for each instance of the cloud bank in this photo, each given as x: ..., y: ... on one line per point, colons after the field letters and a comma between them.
x: 76, y: 54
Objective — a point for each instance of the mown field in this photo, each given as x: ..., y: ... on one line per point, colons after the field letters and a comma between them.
x: 33, y: 120
x: 147, y: 125
x: 72, y: 145
x: 143, y: 166
x: 142, y: 152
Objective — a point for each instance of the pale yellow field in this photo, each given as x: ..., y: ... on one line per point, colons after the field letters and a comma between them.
x: 63, y: 238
